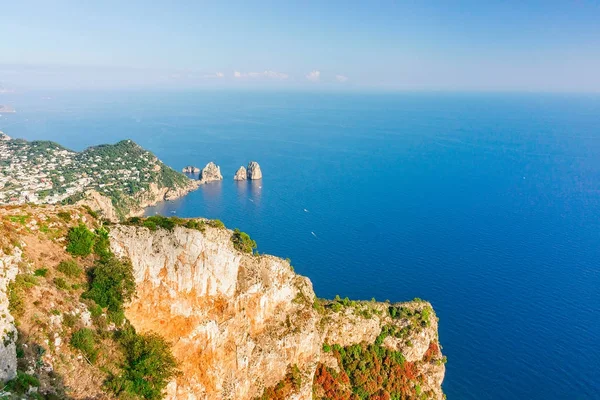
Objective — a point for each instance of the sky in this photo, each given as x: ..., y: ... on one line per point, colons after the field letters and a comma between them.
x: 384, y: 45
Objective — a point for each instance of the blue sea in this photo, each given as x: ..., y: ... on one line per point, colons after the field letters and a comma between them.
x: 487, y: 205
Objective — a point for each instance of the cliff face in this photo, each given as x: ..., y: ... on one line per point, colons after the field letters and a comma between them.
x: 8, y: 331
x: 241, y: 326
x: 238, y: 322
x: 141, y: 200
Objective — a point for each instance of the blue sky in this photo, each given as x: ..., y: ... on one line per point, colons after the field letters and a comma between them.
x: 408, y: 45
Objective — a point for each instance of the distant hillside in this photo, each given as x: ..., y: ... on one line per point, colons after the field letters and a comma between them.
x: 6, y: 109
x: 118, y: 179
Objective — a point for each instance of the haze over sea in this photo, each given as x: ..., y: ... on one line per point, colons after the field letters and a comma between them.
x: 487, y: 205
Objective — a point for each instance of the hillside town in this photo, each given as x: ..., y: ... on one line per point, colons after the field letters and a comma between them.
x: 44, y: 172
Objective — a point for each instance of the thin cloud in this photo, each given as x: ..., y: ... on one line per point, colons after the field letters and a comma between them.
x: 216, y: 75
x: 268, y: 74
x: 314, y: 76
x: 341, y: 78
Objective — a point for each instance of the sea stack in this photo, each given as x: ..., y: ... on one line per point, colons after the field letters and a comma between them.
x: 254, y: 171
x: 240, y: 175
x: 210, y: 173
x: 190, y: 169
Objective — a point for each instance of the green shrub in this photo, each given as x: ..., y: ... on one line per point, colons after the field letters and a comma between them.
x: 102, y: 243
x: 61, y: 283
x: 216, y: 223
x: 242, y: 241
x: 91, y: 212
x: 326, y: 348
x: 195, y: 224
x: 169, y: 223
x: 41, y: 272
x: 64, y: 215
x: 16, y: 289
x: 85, y: 341
x: 134, y: 221
x: 20, y: 351
x: 70, y: 320
x: 157, y: 221
x: 70, y: 268
x: 94, y: 309
x: 148, y: 368
x: 21, y: 219
x: 80, y: 240
x: 150, y: 225
x: 111, y: 284
x: 22, y: 383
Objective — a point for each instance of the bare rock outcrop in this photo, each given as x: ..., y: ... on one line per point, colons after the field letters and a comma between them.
x: 146, y: 198
x: 240, y: 175
x: 253, y: 171
x: 190, y: 169
x: 210, y: 173
x: 8, y: 331
x: 101, y: 204
x: 238, y: 321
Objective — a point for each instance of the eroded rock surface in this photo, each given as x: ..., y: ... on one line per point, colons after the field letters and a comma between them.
x: 238, y: 321
x: 8, y: 331
x: 240, y: 175
x: 190, y: 169
x: 210, y: 173
x: 253, y: 170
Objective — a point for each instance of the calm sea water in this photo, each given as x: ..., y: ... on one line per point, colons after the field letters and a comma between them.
x: 486, y: 205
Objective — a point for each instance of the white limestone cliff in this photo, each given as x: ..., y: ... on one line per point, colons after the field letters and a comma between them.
x: 8, y: 332
x: 237, y: 321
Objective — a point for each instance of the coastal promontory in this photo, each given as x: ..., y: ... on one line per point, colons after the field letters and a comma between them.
x: 118, y: 179
x: 185, y: 309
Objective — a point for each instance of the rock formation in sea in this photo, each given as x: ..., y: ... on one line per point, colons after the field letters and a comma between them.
x: 190, y: 169
x: 254, y: 171
x: 210, y: 173
x: 240, y: 175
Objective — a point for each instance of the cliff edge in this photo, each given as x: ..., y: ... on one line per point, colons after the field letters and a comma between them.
x: 240, y: 325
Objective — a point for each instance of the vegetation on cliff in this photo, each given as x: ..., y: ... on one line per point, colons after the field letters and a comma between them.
x: 242, y: 241
x: 72, y: 323
x: 368, y: 371
x: 75, y: 342
x: 289, y: 385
